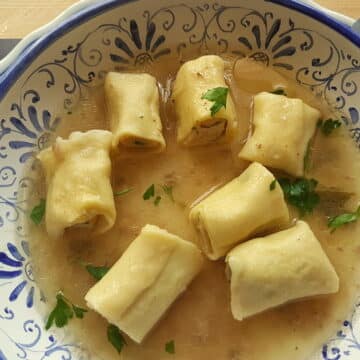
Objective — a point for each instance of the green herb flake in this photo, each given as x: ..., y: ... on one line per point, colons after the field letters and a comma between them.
x: 38, y: 212
x: 301, y: 194
x: 328, y: 126
x: 272, y: 185
x: 149, y: 193
x: 170, y: 347
x: 343, y: 219
x: 279, y: 91
x: 307, y: 157
x: 218, y: 96
x: 63, y: 312
x: 168, y: 190
x: 157, y: 200
x: 97, y: 272
x: 79, y: 312
x: 115, y: 338
x: 123, y: 192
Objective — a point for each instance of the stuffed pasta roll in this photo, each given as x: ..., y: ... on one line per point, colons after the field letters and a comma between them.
x: 77, y: 173
x: 133, y: 110
x: 270, y: 271
x: 153, y: 271
x: 197, y: 125
x: 243, y: 207
x: 282, y: 131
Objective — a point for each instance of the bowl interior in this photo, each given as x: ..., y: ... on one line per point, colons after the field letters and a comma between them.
x: 48, y: 80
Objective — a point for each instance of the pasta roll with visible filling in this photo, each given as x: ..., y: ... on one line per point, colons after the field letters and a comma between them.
x: 79, y: 191
x: 133, y: 110
x: 283, y: 128
x: 196, y: 125
x: 274, y: 270
x: 154, y: 270
x: 243, y: 207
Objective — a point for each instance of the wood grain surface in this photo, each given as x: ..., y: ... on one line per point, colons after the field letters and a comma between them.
x: 19, y: 17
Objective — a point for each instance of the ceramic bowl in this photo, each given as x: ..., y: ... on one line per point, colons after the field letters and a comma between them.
x: 44, y: 77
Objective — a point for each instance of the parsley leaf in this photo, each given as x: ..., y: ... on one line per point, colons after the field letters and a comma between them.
x: 38, y: 212
x: 307, y: 157
x: 97, y: 272
x: 123, y: 192
x: 63, y: 312
x: 157, y: 200
x: 79, y: 312
x: 328, y: 126
x: 340, y: 220
x: 218, y: 96
x: 272, y: 185
x: 279, y: 91
x: 300, y: 193
x: 168, y: 190
x: 149, y: 192
x: 115, y: 338
x: 170, y: 347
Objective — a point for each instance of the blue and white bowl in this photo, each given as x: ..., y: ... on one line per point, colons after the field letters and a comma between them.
x: 43, y: 78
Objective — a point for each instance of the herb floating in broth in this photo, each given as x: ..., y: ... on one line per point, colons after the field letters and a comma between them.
x: 157, y: 200
x: 328, y: 126
x: 170, y: 347
x: 97, y: 272
x: 272, y: 185
x: 218, y: 97
x: 123, y: 192
x: 115, y: 338
x: 38, y: 212
x: 343, y: 219
x: 63, y: 312
x: 301, y: 194
x: 279, y: 92
x: 149, y: 192
x: 307, y: 157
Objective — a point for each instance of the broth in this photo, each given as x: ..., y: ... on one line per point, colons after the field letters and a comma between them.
x: 200, y: 321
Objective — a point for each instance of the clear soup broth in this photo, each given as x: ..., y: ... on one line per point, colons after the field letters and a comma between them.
x: 200, y: 321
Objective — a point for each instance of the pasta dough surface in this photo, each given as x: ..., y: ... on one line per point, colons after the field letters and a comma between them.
x: 154, y: 270
x: 79, y: 191
x: 243, y: 207
x: 196, y: 126
x: 133, y: 110
x: 274, y: 270
x: 283, y: 128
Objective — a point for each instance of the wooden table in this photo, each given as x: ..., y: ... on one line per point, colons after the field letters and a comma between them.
x: 19, y: 17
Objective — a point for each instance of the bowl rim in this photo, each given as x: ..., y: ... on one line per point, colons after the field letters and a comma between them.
x: 20, y: 58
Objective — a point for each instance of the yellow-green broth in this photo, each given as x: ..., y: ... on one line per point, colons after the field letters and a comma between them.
x: 200, y: 321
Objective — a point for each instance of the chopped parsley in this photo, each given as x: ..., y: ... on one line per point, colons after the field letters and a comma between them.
x: 218, y: 96
x: 328, y: 126
x: 115, y: 338
x: 157, y: 200
x: 38, y: 212
x: 343, y: 219
x: 279, y: 91
x: 307, y: 157
x: 63, y: 312
x: 123, y: 192
x: 153, y: 192
x: 170, y: 347
x: 168, y: 190
x: 149, y: 192
x: 272, y: 185
x: 97, y: 272
x: 300, y: 193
